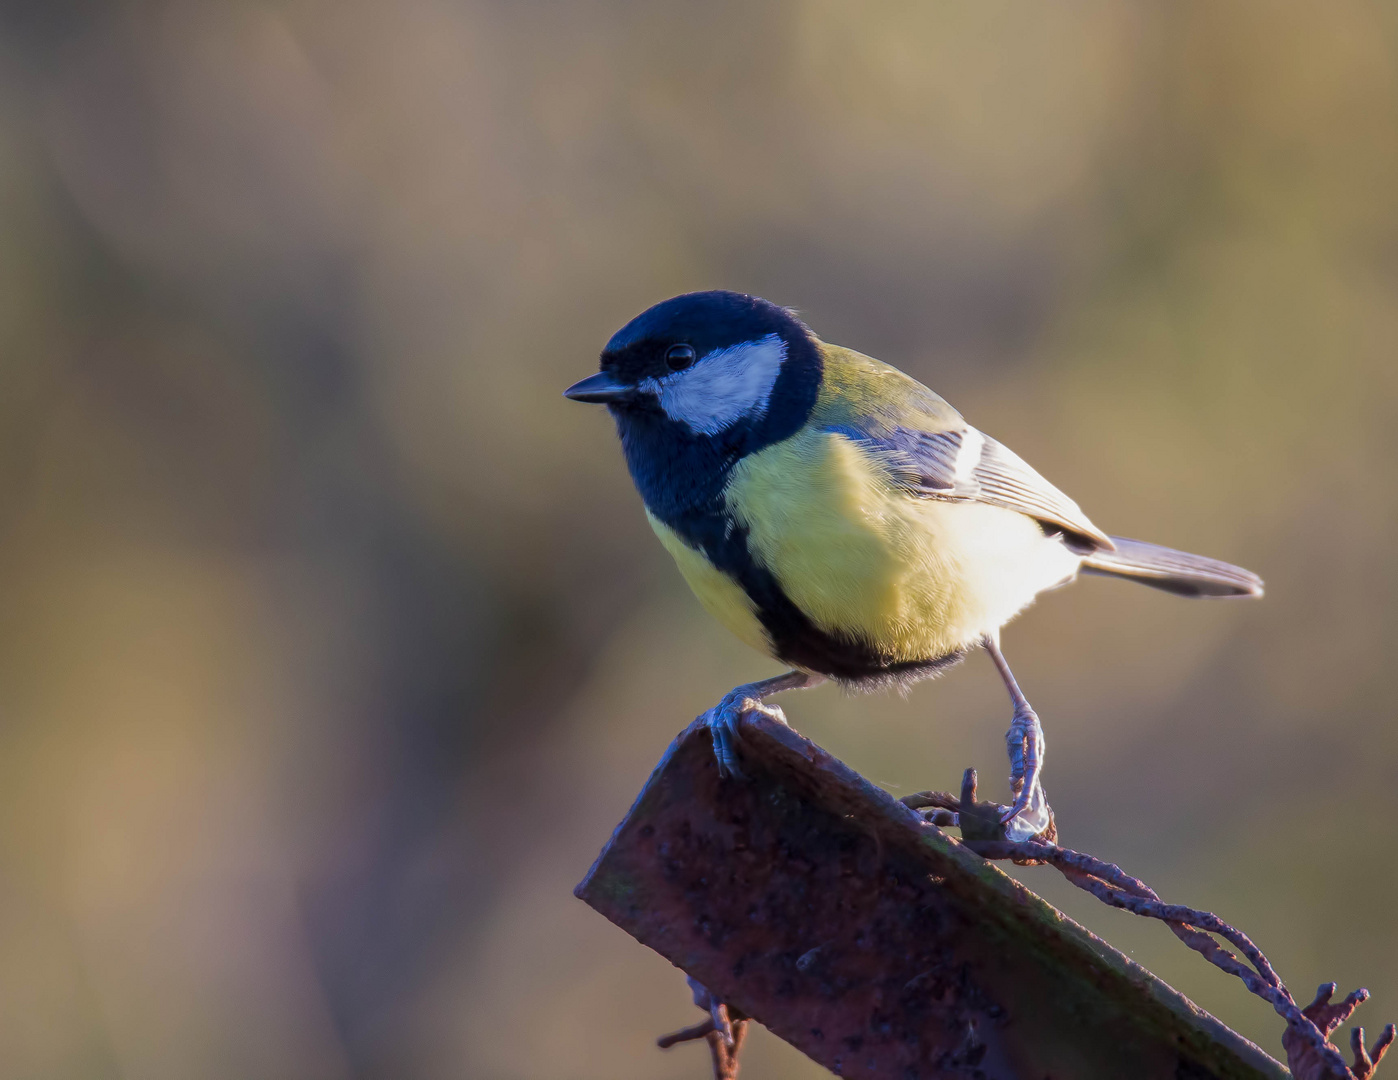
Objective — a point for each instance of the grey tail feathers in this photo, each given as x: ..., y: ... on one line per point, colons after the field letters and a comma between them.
x: 1174, y: 571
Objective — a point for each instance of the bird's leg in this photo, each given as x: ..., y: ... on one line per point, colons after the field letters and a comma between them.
x: 1030, y: 814
x: 723, y: 719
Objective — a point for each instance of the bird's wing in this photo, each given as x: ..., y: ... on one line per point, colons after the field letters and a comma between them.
x: 931, y: 452
x: 968, y: 466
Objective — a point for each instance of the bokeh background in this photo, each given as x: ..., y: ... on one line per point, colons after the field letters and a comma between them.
x: 333, y: 641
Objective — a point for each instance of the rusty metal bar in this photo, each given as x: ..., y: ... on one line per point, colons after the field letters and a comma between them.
x: 817, y: 904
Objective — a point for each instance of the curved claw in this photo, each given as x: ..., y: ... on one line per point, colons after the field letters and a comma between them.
x: 724, y: 721
x: 1021, y: 825
x: 723, y: 727
x: 1025, y: 799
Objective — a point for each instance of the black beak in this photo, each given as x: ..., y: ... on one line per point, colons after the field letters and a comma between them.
x: 600, y: 388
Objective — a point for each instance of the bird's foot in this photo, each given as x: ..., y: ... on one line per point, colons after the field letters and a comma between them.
x: 1029, y: 815
x: 982, y: 821
x: 724, y: 720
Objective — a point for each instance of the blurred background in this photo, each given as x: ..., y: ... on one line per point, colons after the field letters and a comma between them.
x: 334, y: 642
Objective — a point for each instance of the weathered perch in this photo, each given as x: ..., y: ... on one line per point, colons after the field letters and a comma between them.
x: 816, y: 903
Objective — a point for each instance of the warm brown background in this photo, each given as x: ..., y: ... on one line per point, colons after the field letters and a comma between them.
x: 333, y: 641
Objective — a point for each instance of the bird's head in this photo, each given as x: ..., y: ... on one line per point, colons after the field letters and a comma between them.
x: 709, y: 365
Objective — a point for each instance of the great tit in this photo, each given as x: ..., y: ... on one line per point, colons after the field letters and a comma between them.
x: 837, y: 515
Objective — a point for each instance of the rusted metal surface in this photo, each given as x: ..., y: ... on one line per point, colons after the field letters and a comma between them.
x: 817, y: 904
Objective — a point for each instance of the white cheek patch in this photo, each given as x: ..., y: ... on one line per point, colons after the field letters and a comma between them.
x: 723, y: 387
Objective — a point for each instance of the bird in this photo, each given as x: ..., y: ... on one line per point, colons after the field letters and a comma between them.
x: 837, y: 515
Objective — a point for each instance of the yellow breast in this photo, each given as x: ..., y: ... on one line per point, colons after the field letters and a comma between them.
x: 916, y: 578
x: 720, y: 595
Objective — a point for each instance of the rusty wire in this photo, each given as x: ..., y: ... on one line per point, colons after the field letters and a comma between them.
x: 724, y: 1030
x: 1307, y: 1042
x: 1310, y: 1053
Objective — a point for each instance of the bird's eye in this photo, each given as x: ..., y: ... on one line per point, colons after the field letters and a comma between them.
x: 679, y: 357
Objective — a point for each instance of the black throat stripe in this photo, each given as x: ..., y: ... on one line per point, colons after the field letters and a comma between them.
x: 796, y: 640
